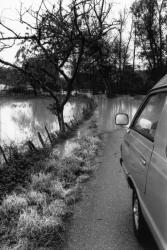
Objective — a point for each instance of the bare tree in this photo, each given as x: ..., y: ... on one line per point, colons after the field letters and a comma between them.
x: 134, y: 45
x: 122, y: 22
x: 57, y: 35
x: 150, y: 25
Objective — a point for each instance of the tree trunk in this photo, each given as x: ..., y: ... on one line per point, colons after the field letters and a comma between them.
x: 61, y: 120
x: 120, y: 50
x: 134, y: 50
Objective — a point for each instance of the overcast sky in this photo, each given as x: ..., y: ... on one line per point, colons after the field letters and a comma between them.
x: 9, y: 14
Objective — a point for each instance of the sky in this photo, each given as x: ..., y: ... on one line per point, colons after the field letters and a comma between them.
x: 9, y: 14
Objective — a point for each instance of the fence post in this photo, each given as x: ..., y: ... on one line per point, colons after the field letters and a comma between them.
x: 48, y: 134
x: 31, y: 146
x: 41, y: 140
x: 4, y: 156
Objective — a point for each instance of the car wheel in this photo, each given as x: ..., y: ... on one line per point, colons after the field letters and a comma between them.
x: 139, y: 224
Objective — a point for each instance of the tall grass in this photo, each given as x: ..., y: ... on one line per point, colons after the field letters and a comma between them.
x: 36, y: 198
x: 57, y: 208
x: 38, y: 228
x: 13, y: 204
x: 41, y: 181
x: 37, y: 213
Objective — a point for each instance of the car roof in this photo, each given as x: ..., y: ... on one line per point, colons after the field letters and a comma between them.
x: 162, y: 83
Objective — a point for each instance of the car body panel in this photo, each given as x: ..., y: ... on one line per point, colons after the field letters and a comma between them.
x: 156, y: 188
x: 136, y: 154
x: 145, y: 164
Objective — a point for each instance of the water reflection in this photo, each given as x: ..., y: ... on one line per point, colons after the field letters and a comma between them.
x: 20, y: 120
x: 105, y: 115
x: 108, y: 108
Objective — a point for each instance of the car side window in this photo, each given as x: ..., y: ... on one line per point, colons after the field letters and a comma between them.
x: 147, y: 120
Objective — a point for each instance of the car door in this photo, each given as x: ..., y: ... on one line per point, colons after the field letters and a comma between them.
x: 156, y: 186
x: 139, y: 140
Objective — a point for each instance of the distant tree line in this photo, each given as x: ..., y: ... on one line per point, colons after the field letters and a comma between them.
x: 117, y: 70
x: 150, y: 24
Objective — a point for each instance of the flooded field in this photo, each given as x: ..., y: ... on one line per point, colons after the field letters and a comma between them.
x: 108, y: 108
x: 20, y: 120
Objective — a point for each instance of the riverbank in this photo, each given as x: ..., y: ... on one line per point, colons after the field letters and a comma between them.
x: 22, y: 119
x: 33, y: 214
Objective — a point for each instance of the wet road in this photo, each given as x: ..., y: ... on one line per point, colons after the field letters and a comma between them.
x: 103, y: 220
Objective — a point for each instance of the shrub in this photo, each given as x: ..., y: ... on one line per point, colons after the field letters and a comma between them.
x: 66, y: 176
x: 45, y: 183
x: 56, y: 189
x: 73, y: 194
x: 69, y: 168
x: 13, y: 204
x: 57, y: 208
x: 51, y: 166
x: 38, y: 228
x: 21, y: 245
x: 41, y: 182
x: 88, y: 147
x: 36, y: 198
x: 13, y: 175
x: 72, y: 163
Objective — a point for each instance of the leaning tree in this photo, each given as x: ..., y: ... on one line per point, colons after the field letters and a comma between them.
x: 58, y: 34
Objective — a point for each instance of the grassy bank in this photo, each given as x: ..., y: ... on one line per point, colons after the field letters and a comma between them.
x: 41, y: 189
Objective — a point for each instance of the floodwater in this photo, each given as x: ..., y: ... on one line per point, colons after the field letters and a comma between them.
x: 21, y: 119
x: 108, y: 108
x: 105, y: 115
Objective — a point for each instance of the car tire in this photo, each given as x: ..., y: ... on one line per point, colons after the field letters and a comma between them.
x: 139, y: 224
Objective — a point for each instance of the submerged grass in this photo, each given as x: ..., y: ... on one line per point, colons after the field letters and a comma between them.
x: 34, y: 216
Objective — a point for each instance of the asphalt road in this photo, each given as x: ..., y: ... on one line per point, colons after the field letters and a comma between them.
x: 103, y: 219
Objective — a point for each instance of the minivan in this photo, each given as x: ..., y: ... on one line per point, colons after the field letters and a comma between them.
x: 144, y: 160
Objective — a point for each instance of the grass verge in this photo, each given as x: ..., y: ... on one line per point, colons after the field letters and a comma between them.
x: 32, y: 216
